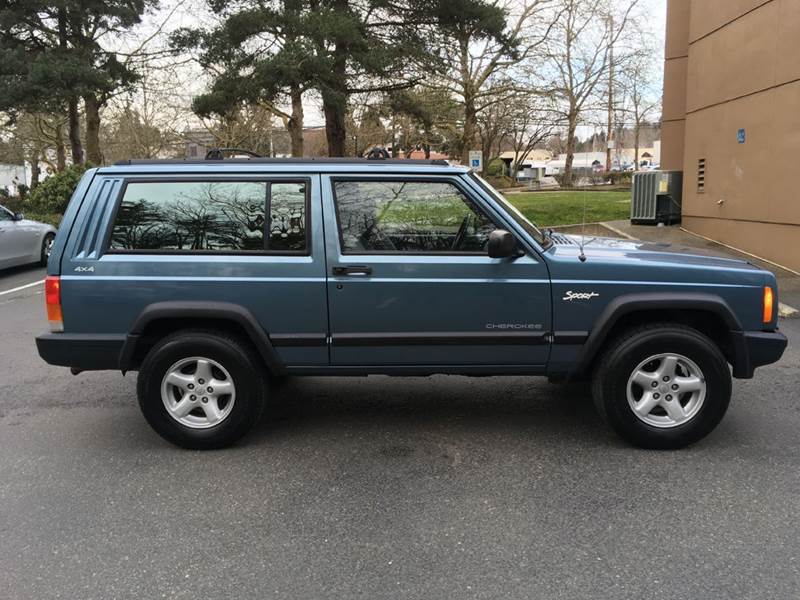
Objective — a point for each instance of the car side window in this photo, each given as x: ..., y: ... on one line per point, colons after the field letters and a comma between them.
x: 396, y: 216
x: 287, y: 217
x: 211, y: 216
x: 5, y: 215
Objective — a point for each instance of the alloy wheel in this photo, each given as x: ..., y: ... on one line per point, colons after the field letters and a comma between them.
x: 666, y: 390
x: 198, y: 392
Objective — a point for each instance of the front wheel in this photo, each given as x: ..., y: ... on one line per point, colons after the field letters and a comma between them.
x: 662, y: 386
x: 201, y: 389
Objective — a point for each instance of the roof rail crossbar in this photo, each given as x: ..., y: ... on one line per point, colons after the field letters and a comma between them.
x: 378, y: 153
x: 219, y: 153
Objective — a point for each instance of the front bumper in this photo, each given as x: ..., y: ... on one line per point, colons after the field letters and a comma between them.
x: 755, y: 349
x: 81, y: 351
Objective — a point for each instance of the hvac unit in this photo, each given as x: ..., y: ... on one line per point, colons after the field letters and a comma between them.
x: 657, y: 197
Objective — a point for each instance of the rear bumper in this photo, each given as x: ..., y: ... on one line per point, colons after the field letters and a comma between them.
x: 81, y: 351
x: 755, y: 349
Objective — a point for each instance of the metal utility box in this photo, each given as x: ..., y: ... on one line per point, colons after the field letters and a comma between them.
x: 657, y: 197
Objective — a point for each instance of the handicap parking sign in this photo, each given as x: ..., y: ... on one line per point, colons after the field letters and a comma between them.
x: 476, y: 160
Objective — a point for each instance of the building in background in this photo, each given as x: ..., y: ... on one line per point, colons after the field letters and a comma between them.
x: 731, y: 121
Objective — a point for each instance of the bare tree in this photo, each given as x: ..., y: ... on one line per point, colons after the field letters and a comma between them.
x: 531, y: 126
x: 641, y: 98
x: 580, y: 55
x: 477, y: 59
x: 495, y: 123
x: 250, y: 126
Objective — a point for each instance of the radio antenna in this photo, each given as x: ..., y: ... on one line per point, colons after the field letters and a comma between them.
x: 582, y: 255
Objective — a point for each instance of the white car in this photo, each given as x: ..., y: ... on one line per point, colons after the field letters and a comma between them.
x: 22, y: 241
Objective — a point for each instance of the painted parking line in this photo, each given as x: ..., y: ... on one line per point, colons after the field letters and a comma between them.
x: 22, y: 287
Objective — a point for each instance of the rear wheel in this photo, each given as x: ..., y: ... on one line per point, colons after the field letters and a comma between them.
x: 47, y: 248
x: 663, y: 386
x: 201, y: 389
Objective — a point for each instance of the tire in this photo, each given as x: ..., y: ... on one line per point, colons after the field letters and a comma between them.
x: 47, y: 245
x: 216, y: 419
x: 631, y: 378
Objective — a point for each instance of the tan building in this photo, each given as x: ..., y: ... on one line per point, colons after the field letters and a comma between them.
x: 732, y: 121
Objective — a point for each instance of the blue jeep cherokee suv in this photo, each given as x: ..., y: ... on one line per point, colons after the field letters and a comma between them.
x: 214, y: 278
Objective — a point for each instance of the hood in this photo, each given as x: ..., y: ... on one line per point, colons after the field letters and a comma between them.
x: 637, y: 250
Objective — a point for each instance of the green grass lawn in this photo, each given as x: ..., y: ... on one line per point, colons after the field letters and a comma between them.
x: 548, y: 209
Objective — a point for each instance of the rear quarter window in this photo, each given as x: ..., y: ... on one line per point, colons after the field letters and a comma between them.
x: 211, y: 216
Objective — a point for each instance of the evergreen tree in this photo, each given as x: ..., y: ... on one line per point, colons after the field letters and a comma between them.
x: 265, y: 49
x: 51, y: 59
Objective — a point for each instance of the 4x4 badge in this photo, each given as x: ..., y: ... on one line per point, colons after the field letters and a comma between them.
x: 580, y: 296
x: 83, y: 269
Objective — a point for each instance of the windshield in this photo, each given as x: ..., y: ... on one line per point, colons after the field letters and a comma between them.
x: 512, y: 211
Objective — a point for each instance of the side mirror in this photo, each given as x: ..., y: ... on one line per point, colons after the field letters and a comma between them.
x: 18, y: 216
x: 502, y: 244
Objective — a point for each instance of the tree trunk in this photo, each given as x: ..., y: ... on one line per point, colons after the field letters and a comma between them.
x: 334, y: 100
x: 72, y: 103
x: 295, y: 124
x: 35, y: 172
x: 333, y: 107
x: 470, y: 126
x: 92, y: 107
x: 571, y: 128
x: 61, y: 151
x: 75, y: 131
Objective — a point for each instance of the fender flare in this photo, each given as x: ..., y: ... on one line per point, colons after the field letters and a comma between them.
x: 224, y: 311
x: 624, y: 305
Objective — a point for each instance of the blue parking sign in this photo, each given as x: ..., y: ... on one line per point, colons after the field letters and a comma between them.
x: 476, y: 162
x: 742, y: 136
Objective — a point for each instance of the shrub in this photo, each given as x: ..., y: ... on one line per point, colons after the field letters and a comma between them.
x: 495, y: 168
x: 52, y: 195
x: 12, y: 203
x: 618, y: 178
x: 500, y: 182
x: 53, y: 219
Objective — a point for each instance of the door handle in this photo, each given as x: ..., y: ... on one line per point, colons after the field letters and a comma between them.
x: 353, y: 271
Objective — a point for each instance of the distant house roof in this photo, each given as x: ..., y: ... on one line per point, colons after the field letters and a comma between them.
x: 581, y: 160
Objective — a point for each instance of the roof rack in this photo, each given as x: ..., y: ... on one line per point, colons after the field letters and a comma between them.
x: 219, y: 153
x: 324, y: 160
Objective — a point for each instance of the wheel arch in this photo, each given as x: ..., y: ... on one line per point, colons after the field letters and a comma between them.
x: 706, y: 313
x: 162, y: 318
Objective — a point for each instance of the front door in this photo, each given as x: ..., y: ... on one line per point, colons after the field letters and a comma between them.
x: 410, y: 281
x: 14, y: 245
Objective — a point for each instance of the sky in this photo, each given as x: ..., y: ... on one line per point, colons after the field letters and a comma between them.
x: 174, y: 14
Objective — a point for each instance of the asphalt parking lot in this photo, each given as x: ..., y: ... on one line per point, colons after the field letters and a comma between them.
x: 442, y: 487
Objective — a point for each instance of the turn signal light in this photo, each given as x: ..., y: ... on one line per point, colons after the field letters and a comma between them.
x: 769, y: 300
x: 52, y: 298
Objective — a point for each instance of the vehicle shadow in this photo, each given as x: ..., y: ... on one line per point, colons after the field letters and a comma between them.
x: 517, y: 406
x: 21, y: 271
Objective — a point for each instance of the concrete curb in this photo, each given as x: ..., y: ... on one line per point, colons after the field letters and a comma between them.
x: 619, y: 232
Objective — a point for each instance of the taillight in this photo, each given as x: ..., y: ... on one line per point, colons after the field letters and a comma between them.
x: 52, y: 298
x: 769, y: 300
